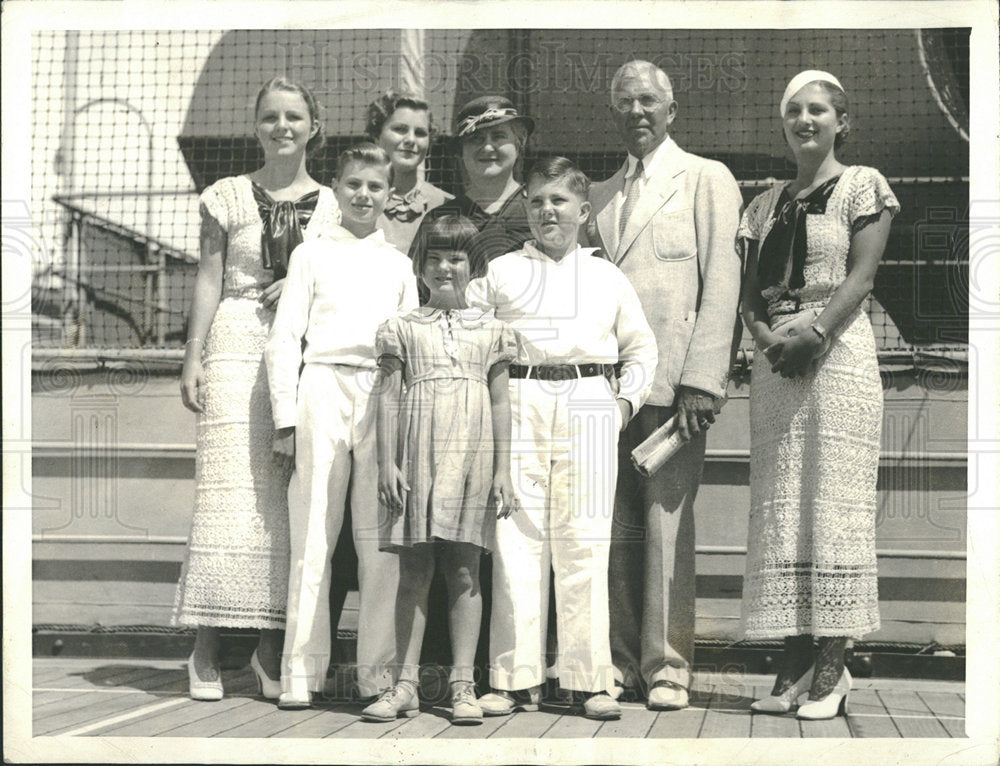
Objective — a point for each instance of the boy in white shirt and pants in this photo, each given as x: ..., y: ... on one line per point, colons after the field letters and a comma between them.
x: 337, y: 292
x: 577, y: 316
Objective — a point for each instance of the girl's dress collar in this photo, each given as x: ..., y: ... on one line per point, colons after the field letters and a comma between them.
x: 468, y: 317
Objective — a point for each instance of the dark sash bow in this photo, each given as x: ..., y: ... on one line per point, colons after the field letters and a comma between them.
x: 283, y: 224
x: 781, y: 262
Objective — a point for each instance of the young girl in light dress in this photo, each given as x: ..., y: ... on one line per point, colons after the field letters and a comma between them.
x: 444, y: 458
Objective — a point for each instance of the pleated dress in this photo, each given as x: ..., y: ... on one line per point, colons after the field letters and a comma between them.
x: 445, y: 427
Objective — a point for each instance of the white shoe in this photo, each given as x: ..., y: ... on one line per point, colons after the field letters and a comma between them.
x: 667, y: 695
x: 298, y: 696
x: 204, y: 691
x: 401, y: 701
x: 833, y: 703
x: 502, y: 702
x: 268, y: 689
x: 600, y: 707
x: 783, y: 702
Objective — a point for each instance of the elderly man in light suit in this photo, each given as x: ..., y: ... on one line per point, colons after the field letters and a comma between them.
x: 668, y: 219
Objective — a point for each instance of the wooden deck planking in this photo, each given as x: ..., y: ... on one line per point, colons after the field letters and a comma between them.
x: 526, y: 725
x: 911, y: 715
x: 867, y: 716
x: 431, y: 722
x: 82, y: 696
x: 678, y: 724
x: 687, y: 723
x: 87, y: 708
x: 914, y: 728
x: 42, y: 675
x: 944, y: 703
x: 949, y: 708
x: 359, y: 729
x: 765, y: 726
x: 728, y: 715
x: 111, y: 678
x: 162, y: 723
x: 635, y: 723
x: 46, y: 705
x: 270, y: 723
x: 216, y: 724
x: 834, y: 727
x: 325, y: 722
x: 573, y: 726
x: 954, y: 726
x: 489, y: 725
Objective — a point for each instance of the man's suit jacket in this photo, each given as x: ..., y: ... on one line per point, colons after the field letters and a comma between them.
x: 679, y: 251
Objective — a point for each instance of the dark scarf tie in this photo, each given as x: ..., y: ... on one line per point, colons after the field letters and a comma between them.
x: 283, y: 224
x: 782, y: 258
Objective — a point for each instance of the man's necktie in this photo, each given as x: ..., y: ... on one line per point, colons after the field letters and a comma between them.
x: 631, y: 198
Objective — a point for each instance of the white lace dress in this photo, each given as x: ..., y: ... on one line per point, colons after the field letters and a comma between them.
x: 814, y: 443
x: 235, y: 573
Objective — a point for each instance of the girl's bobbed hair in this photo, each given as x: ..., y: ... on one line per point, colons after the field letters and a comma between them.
x: 317, y: 141
x: 449, y: 232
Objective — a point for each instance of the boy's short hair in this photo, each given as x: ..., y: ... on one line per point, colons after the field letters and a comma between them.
x: 557, y: 169
x: 449, y: 232
x: 366, y: 153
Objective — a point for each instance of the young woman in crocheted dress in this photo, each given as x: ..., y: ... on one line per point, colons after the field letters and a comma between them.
x: 813, y: 246
x: 235, y: 573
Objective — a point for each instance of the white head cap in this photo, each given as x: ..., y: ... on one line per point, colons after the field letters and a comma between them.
x: 801, y: 80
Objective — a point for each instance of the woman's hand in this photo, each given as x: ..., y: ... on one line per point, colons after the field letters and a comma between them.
x: 503, y: 497
x: 392, y: 488
x: 193, y: 385
x: 283, y: 448
x: 271, y: 294
x: 792, y: 356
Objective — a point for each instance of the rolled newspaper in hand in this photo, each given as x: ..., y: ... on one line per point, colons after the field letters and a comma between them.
x: 658, y: 448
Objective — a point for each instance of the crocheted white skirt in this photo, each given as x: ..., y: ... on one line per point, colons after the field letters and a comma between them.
x: 814, y: 451
x: 236, y: 570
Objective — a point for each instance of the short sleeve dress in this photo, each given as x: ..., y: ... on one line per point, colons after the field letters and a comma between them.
x: 235, y: 572
x: 445, y: 427
x: 814, y: 441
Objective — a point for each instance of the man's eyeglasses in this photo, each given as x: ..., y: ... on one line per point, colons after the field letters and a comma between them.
x: 647, y: 102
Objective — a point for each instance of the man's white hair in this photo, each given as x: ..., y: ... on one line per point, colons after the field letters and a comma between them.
x: 640, y: 68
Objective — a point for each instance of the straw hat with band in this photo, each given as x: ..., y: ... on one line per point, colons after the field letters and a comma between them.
x: 486, y: 111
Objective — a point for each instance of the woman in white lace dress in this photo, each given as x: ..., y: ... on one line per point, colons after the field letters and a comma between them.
x: 813, y: 246
x: 235, y: 574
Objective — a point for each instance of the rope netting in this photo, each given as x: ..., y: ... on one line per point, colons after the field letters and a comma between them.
x: 129, y: 126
